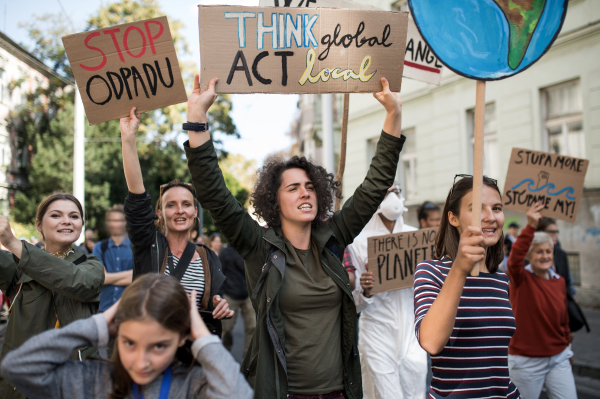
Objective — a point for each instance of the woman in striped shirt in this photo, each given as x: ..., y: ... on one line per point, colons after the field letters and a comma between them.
x: 465, y: 323
x: 160, y: 236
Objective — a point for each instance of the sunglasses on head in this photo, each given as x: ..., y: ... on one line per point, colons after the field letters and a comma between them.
x: 461, y: 176
x: 175, y: 183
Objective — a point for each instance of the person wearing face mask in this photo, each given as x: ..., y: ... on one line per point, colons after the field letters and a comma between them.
x: 393, y: 363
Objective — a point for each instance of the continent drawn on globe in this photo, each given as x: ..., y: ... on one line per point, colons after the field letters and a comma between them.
x: 523, y: 17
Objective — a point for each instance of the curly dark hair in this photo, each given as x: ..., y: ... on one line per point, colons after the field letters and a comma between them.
x: 265, y: 194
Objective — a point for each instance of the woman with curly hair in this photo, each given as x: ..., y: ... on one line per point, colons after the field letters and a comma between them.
x: 304, y: 342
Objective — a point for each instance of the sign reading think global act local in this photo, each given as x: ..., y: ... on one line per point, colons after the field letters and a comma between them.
x: 301, y: 50
x: 125, y: 66
x: 393, y: 258
x: 554, y: 179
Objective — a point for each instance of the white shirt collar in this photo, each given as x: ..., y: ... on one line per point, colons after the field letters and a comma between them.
x: 551, y: 272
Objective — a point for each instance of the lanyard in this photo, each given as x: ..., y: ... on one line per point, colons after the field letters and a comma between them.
x: 164, y: 386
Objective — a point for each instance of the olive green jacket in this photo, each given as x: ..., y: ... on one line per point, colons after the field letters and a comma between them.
x: 265, y: 364
x: 43, y: 288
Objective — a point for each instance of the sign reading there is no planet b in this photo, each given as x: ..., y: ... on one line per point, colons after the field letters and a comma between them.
x: 125, y: 66
x: 556, y: 180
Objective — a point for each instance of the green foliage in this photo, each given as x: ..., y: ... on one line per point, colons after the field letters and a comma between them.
x: 46, y: 124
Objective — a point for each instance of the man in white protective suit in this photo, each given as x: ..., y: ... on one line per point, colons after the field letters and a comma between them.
x: 394, y: 366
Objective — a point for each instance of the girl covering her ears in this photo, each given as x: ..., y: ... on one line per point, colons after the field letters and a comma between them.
x: 50, y: 287
x: 160, y: 237
x: 465, y: 323
x: 540, y: 352
x: 304, y: 343
x: 153, y: 318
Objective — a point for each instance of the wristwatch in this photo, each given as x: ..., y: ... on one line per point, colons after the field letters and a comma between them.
x: 195, y: 127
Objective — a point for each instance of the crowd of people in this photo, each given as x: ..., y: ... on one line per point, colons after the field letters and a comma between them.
x: 142, y: 312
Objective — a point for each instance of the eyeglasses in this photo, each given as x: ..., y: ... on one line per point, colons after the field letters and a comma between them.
x: 551, y: 232
x: 461, y: 176
x: 396, y: 191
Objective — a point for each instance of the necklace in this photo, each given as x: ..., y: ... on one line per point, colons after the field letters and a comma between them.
x: 62, y: 254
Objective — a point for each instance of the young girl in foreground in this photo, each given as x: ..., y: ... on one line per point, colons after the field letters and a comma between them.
x: 151, y: 321
x: 465, y: 322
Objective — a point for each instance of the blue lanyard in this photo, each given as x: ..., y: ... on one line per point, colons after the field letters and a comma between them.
x: 164, y: 386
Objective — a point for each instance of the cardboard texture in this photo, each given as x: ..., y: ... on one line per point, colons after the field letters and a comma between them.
x: 125, y: 66
x: 352, y: 5
x: 300, y: 50
x: 393, y: 258
x: 554, y: 179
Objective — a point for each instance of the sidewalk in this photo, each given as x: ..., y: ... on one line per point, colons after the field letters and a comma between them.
x: 586, y: 347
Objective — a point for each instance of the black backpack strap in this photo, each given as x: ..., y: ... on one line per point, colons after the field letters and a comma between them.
x: 104, y: 247
x: 80, y: 260
x: 184, y: 261
x: 264, y: 274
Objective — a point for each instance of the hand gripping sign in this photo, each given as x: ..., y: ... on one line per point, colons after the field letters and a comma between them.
x: 300, y: 50
x: 125, y: 66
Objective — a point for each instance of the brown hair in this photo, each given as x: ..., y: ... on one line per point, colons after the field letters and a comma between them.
x: 155, y: 296
x: 160, y: 223
x: 119, y: 208
x: 544, y: 223
x: 448, y: 236
x: 265, y: 197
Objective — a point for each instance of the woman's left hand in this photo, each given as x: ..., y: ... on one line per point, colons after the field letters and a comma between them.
x: 221, y: 308
x: 199, y: 102
x: 393, y: 106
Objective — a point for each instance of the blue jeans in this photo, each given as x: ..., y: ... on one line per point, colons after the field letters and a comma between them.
x: 530, y: 374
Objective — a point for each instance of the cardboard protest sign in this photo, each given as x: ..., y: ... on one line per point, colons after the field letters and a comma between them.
x: 420, y: 63
x: 393, y: 258
x: 301, y: 50
x: 557, y: 180
x: 125, y: 66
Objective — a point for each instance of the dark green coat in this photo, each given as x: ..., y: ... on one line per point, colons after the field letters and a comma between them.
x: 50, y: 288
x: 265, y: 364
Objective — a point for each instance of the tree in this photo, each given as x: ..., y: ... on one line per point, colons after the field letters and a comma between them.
x: 48, y: 125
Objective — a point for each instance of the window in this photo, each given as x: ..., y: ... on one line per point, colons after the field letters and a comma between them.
x: 3, y: 86
x: 491, y: 163
x: 563, y: 119
x: 408, y: 166
x: 575, y: 266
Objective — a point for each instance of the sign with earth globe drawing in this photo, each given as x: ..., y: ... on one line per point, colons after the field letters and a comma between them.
x: 489, y: 39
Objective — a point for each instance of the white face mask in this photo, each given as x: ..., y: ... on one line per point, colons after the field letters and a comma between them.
x: 392, y: 207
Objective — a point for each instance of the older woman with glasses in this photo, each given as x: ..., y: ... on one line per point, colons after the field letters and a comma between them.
x: 561, y: 261
x: 160, y: 236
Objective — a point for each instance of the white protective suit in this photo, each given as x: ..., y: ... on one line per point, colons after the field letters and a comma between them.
x: 394, y: 366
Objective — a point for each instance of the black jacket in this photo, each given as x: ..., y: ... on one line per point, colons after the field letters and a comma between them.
x: 561, y: 262
x: 150, y: 249
x: 235, y: 271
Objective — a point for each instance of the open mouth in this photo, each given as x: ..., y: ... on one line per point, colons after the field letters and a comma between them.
x: 305, y: 207
x: 180, y: 220
x: 488, y: 231
x: 65, y: 231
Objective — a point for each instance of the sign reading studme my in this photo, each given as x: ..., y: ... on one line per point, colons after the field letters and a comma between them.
x: 125, y: 66
x: 301, y: 50
x: 393, y: 258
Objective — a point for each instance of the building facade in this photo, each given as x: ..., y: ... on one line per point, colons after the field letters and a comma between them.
x: 553, y: 106
x: 20, y: 73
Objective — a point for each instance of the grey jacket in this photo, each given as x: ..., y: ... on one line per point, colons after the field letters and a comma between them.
x: 41, y: 368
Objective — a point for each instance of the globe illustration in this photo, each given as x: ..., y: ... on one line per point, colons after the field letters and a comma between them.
x: 489, y: 39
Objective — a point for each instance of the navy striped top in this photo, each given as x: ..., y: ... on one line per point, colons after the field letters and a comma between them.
x: 474, y: 362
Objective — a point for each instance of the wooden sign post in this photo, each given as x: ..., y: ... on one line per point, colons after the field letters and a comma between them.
x: 478, y: 162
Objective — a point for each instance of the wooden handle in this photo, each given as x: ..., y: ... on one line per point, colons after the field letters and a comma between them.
x: 340, y: 174
x: 478, y: 161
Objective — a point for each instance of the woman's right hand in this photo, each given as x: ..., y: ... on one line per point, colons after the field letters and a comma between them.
x: 470, y: 250
x: 109, y: 316
x: 534, y: 214
x: 393, y: 106
x: 129, y: 125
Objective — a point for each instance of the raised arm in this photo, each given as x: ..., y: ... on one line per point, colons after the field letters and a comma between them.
x: 358, y: 209
x: 131, y: 163
x: 519, y: 249
x: 227, y: 213
x: 41, y: 368
x: 437, y: 325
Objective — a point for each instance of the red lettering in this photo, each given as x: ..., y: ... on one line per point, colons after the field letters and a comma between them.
x: 143, y: 50
x: 87, y: 39
x: 150, y: 37
x: 112, y: 32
